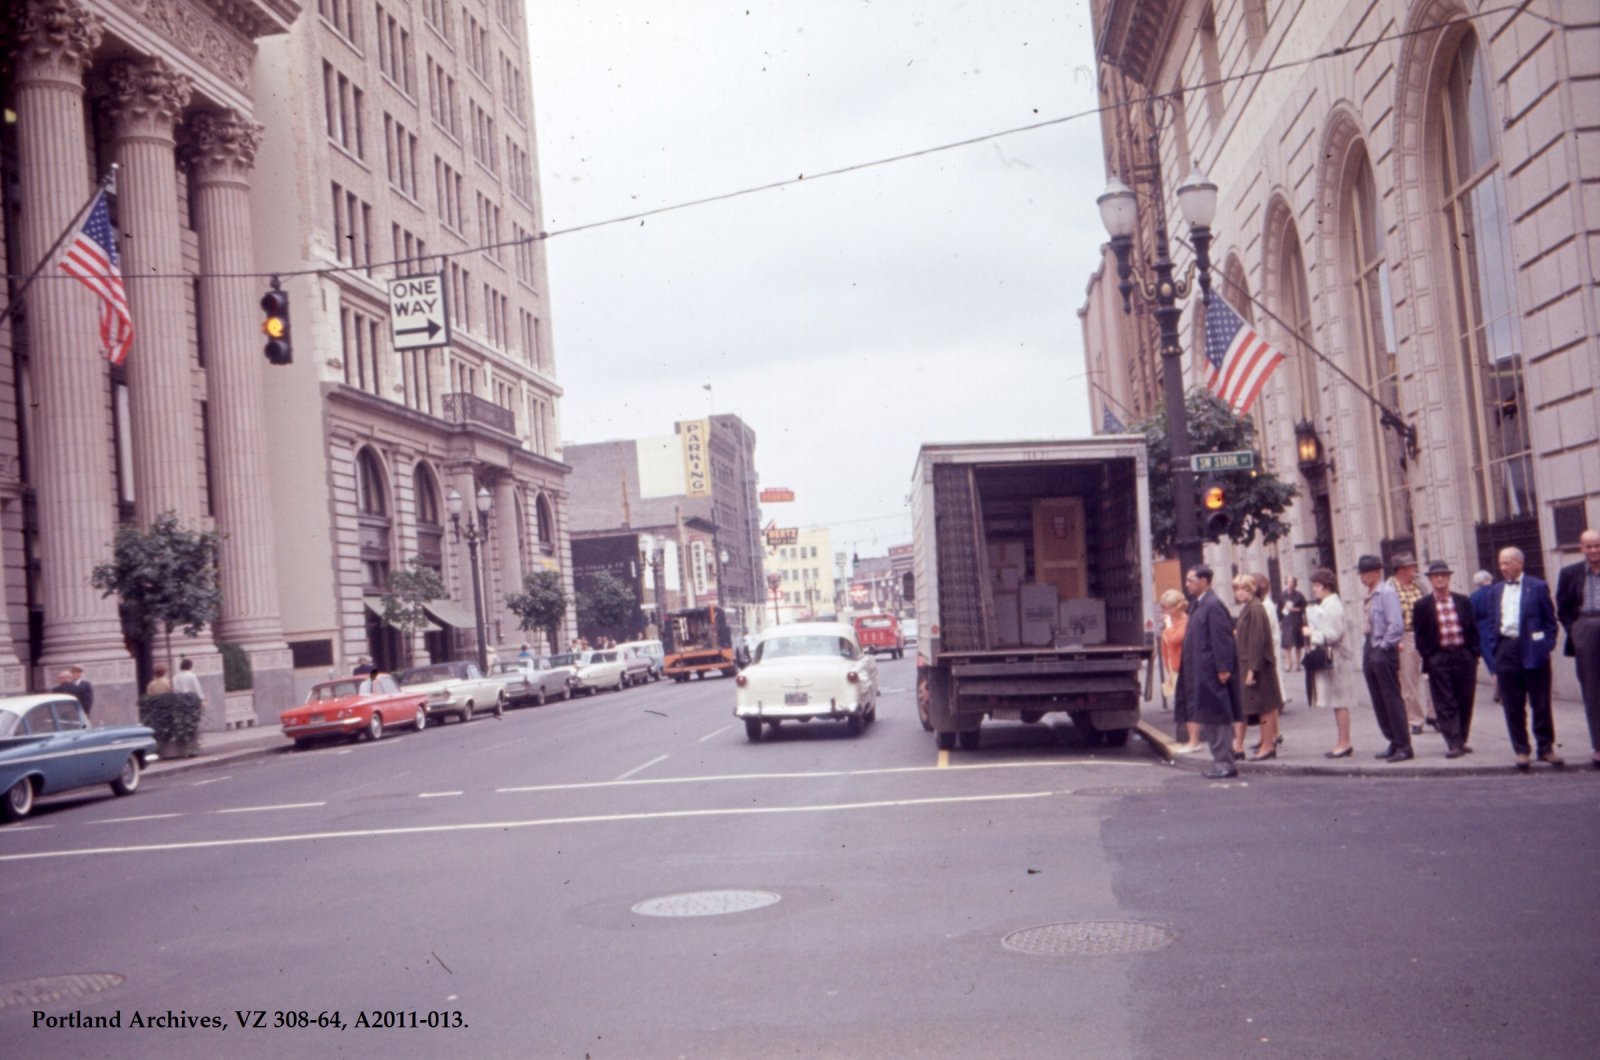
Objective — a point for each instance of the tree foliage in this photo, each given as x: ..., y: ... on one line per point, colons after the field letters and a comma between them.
x: 164, y: 577
x: 607, y: 608
x: 542, y: 603
x: 410, y: 588
x: 1256, y: 500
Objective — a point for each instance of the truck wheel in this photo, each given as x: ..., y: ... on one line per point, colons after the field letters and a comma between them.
x: 945, y: 741
x: 970, y: 738
x: 752, y: 729
x: 1116, y: 737
x: 855, y: 724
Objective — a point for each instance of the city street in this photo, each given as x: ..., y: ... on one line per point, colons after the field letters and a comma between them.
x: 482, y: 889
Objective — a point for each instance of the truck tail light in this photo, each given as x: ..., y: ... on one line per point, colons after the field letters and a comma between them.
x: 741, y: 680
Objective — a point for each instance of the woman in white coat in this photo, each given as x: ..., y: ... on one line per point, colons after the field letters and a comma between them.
x: 1339, y: 685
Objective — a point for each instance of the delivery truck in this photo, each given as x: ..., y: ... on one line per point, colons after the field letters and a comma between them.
x: 1034, y: 589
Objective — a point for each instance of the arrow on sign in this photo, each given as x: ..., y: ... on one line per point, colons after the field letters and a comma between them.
x: 431, y: 329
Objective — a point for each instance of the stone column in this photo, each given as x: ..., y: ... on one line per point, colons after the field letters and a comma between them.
x: 71, y: 459
x: 508, y: 557
x: 145, y: 98
x: 219, y: 149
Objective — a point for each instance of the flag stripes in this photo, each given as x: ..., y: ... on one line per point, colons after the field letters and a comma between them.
x: 91, y: 258
x: 1238, y: 360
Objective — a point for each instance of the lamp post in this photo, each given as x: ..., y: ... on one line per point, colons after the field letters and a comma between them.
x: 476, y: 531
x: 774, y: 580
x: 1197, y: 198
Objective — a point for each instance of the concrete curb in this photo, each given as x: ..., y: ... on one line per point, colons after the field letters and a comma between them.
x: 168, y: 766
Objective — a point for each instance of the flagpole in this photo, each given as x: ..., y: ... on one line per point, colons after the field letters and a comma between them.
x: 108, y: 181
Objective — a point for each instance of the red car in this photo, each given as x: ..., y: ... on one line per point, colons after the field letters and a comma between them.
x: 880, y: 633
x: 354, y: 707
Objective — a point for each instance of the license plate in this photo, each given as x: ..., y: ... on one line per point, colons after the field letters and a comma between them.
x: 316, y: 718
x: 795, y: 699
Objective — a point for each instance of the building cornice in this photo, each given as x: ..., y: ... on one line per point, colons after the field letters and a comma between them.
x: 1133, y: 36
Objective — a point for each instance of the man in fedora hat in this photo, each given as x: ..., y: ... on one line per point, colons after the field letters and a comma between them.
x: 1380, y: 661
x: 1447, y: 641
x: 1413, y: 692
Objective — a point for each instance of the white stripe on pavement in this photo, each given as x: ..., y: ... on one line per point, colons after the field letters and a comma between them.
x: 213, y: 780
x: 709, y: 735
x: 280, y: 806
x: 538, y: 822
x: 641, y: 769
x: 145, y: 817
x: 436, y: 794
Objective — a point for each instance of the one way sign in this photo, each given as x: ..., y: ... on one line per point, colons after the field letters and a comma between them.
x: 417, y: 317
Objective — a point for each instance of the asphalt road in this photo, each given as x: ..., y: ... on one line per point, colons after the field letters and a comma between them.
x: 488, y: 878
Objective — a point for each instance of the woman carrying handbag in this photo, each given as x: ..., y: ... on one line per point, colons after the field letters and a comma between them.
x: 1336, y: 684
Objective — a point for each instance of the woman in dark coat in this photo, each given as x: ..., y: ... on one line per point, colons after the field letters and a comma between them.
x: 1291, y: 624
x: 1259, y: 691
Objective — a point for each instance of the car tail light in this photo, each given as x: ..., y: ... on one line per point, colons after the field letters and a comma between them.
x: 852, y: 677
x: 741, y: 680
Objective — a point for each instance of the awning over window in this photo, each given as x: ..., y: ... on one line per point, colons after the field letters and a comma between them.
x: 377, y: 610
x: 451, y: 614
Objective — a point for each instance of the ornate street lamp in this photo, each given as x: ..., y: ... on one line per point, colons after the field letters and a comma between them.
x: 1309, y: 449
x: 774, y: 580
x: 1197, y: 199
x: 475, y: 532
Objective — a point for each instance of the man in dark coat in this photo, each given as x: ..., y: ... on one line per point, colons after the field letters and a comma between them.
x: 1206, y: 674
x: 1578, y: 610
x: 1447, y: 642
x: 1521, y: 640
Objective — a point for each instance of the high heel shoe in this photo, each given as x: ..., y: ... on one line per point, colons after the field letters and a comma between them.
x: 1346, y: 753
x: 1263, y: 758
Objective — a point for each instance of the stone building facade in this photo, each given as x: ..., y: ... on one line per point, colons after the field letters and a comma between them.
x: 1413, y: 214
x: 217, y: 116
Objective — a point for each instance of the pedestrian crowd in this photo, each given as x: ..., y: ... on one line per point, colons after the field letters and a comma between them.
x: 1420, y: 647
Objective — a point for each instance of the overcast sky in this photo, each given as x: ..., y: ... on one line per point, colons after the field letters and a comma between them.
x: 846, y: 320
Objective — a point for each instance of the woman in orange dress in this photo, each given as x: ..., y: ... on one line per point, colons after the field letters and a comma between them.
x: 1175, y: 616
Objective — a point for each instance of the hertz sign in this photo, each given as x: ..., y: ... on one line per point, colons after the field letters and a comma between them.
x: 780, y: 535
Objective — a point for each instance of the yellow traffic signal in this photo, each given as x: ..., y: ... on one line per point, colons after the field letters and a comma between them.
x: 275, y: 304
x: 1214, y: 498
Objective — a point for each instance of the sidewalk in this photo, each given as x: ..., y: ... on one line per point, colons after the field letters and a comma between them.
x: 217, y: 748
x: 1307, y: 732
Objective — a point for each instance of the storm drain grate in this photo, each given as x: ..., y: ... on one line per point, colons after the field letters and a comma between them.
x: 1088, y: 938
x: 706, y: 903
x: 49, y: 989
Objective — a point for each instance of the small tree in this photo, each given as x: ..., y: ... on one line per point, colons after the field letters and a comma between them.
x: 164, y: 577
x: 1256, y: 499
x: 541, y: 605
x: 607, y: 608
x: 410, y: 588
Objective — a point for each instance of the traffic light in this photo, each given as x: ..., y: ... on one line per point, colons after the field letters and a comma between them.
x: 1214, y: 502
x: 275, y: 304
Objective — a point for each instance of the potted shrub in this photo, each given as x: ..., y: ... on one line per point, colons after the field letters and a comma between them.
x: 175, y: 718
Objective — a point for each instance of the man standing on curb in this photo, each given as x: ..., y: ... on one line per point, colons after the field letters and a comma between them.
x: 1447, y: 641
x: 1578, y: 608
x: 1524, y: 634
x: 1380, y: 662
x: 1419, y: 706
x: 1205, y: 673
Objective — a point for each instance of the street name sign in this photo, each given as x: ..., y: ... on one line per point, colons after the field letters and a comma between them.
x: 417, y: 317
x: 1243, y: 460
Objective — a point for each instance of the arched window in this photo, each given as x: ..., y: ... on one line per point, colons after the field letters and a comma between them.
x: 430, y: 530
x: 547, y: 526
x: 1295, y: 308
x: 521, y: 517
x: 372, y: 516
x: 1373, y: 336
x: 1478, y: 238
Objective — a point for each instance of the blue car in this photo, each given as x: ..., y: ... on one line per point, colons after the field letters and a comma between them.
x: 47, y: 745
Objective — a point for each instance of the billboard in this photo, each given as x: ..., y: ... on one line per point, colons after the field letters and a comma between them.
x: 776, y: 495
x: 696, y: 436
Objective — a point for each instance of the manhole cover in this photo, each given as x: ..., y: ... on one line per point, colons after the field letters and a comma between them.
x: 1088, y: 938
x: 52, y: 988
x: 705, y: 903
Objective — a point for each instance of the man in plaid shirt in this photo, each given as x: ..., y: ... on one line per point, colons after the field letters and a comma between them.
x: 1447, y: 642
x: 1419, y: 706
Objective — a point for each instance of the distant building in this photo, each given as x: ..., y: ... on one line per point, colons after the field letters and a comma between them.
x: 806, y: 577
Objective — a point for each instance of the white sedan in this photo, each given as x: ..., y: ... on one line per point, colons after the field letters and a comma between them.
x: 807, y: 670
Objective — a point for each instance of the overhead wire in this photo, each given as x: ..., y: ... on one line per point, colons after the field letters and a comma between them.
x: 1339, y: 51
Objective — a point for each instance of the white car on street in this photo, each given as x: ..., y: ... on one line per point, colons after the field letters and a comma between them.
x: 807, y: 670
x: 599, y: 669
x: 457, y: 688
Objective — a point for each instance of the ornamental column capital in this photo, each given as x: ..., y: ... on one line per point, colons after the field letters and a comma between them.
x: 220, y: 144
x: 56, y: 39
x: 145, y: 96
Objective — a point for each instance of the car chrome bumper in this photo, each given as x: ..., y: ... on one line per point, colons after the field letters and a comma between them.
x: 819, y: 709
x: 322, y: 728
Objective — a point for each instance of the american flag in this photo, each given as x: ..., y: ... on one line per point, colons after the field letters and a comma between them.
x: 1238, y: 361
x: 91, y: 257
x: 1110, y: 424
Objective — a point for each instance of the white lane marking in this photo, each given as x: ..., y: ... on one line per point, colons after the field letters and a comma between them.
x: 280, y: 806
x: 495, y: 746
x: 346, y: 751
x: 536, y: 822
x: 709, y: 735
x: 436, y: 794
x: 12, y: 829
x: 145, y: 817
x: 213, y: 780
x: 641, y: 769
x: 820, y: 774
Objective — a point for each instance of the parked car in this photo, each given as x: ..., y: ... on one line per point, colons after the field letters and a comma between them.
x: 47, y: 745
x: 807, y: 670
x: 566, y: 664
x: 354, y: 707
x: 635, y: 666
x: 598, y: 669
x: 881, y: 632
x: 457, y: 688
x: 526, y: 681
x: 652, y: 651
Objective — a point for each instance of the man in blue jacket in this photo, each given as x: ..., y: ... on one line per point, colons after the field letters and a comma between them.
x: 1521, y: 638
